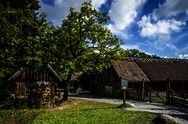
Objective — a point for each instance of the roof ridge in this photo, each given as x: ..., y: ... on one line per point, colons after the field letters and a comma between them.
x: 162, y: 60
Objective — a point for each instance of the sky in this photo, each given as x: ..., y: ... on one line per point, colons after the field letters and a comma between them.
x: 157, y: 27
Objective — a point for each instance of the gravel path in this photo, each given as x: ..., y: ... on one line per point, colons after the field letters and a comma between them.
x: 180, y: 115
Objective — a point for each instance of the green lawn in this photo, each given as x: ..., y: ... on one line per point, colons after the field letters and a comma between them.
x: 78, y: 112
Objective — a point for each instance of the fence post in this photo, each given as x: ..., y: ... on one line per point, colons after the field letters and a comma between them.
x: 150, y: 94
x: 142, y: 97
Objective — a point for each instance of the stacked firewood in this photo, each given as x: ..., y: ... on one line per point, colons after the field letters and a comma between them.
x: 40, y: 95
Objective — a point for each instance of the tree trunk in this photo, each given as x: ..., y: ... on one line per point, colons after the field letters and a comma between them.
x: 66, y: 91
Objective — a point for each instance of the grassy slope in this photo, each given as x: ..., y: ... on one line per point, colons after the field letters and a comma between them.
x: 79, y: 112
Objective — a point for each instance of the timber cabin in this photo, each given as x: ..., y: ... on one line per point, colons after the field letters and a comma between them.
x: 142, y: 74
x: 37, y: 87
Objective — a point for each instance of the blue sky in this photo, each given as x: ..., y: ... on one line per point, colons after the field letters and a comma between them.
x: 153, y: 26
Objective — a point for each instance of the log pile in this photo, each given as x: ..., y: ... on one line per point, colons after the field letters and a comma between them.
x: 40, y: 95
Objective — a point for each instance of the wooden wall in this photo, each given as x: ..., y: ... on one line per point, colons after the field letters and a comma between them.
x: 109, y: 82
x: 32, y: 75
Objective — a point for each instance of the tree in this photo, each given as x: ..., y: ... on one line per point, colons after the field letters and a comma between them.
x: 82, y: 43
x: 19, y: 35
x: 138, y: 54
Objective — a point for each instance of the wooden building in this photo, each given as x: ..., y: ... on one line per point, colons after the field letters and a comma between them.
x: 111, y: 80
x: 36, y: 86
x: 143, y: 74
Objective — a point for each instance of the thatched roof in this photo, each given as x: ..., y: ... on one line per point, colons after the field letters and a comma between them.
x: 158, y: 71
x: 130, y: 71
x: 162, y: 69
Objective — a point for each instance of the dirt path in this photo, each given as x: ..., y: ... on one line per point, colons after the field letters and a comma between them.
x: 179, y: 114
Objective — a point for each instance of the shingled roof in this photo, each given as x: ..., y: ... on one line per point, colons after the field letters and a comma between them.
x: 160, y: 69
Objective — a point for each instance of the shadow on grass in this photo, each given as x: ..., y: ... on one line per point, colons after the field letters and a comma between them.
x: 104, y: 108
x: 18, y: 116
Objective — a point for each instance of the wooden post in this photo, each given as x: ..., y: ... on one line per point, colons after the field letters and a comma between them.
x: 146, y: 94
x: 142, y: 94
x: 124, y: 97
x: 150, y: 94
x: 168, y: 101
x: 182, y: 92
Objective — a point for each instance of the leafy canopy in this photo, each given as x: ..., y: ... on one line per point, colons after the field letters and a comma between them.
x: 82, y: 42
x: 19, y: 36
x: 19, y: 32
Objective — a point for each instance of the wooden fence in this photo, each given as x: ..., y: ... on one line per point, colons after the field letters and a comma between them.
x: 167, y: 94
x: 179, y: 98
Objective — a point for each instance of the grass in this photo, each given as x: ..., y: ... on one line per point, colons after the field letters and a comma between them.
x: 78, y: 112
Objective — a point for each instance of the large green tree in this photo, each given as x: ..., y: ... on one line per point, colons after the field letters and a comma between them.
x: 82, y: 43
x: 19, y: 35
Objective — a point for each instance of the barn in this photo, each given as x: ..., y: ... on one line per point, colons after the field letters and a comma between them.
x: 164, y: 78
x: 36, y: 86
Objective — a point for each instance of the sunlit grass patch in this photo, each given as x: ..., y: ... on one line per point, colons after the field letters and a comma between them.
x: 78, y: 112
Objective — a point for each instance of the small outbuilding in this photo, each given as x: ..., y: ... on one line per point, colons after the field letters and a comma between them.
x: 37, y: 87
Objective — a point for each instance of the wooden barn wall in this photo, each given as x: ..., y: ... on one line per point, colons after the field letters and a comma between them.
x: 20, y: 89
x: 88, y: 82
x: 27, y: 78
x: 109, y: 80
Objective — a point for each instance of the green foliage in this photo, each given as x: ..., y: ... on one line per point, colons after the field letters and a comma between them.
x: 132, y: 94
x: 7, y: 100
x: 138, y: 54
x: 19, y: 37
x: 82, y: 43
x: 19, y: 28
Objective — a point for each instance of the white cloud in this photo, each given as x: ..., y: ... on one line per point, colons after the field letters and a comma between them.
x: 123, y: 13
x: 60, y: 10
x: 183, y: 52
x: 160, y: 25
x: 130, y: 46
x: 162, y: 45
x: 171, y: 8
x: 97, y: 3
x: 183, y: 56
x: 161, y: 29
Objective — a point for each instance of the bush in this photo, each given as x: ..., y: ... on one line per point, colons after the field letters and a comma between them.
x: 132, y: 94
x: 7, y: 100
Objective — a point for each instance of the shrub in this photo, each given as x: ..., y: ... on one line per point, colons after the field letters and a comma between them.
x: 7, y: 100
